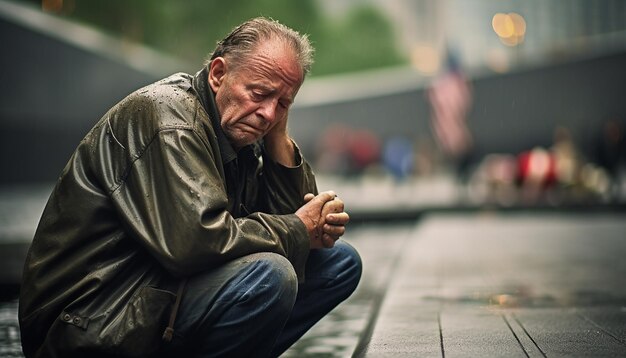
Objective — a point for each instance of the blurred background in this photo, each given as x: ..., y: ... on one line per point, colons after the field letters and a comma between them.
x: 411, y: 105
x: 497, y: 102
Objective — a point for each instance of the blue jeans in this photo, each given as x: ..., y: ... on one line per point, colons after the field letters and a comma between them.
x: 254, y: 307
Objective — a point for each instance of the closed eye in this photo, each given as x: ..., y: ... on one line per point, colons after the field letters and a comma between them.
x: 258, y: 96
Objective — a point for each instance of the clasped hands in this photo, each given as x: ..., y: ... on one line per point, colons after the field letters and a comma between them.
x: 324, y: 217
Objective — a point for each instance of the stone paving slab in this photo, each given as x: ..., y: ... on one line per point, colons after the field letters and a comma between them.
x: 507, y: 285
x: 471, y: 332
x: 339, y: 333
x: 611, y: 321
x: 563, y: 332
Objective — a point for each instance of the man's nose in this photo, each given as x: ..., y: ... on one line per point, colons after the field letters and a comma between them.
x: 268, y: 110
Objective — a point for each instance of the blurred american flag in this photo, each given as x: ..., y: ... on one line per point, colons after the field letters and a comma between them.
x: 450, y: 98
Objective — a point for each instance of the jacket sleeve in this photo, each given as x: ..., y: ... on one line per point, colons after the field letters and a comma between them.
x: 285, y: 187
x: 173, y: 201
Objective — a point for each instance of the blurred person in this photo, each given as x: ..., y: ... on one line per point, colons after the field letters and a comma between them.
x: 332, y: 150
x: 347, y: 151
x: 611, y: 154
x: 536, y: 172
x: 553, y: 171
x: 398, y: 157
x: 187, y: 222
x: 364, y: 149
x: 611, y: 147
x: 425, y: 157
x: 494, y: 180
x: 565, y: 156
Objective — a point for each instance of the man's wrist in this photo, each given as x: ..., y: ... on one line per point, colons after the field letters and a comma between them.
x: 281, y: 149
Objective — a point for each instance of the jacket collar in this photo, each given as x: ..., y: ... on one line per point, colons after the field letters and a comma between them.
x: 207, y: 98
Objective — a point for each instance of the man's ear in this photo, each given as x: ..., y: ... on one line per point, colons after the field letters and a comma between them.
x: 217, y: 70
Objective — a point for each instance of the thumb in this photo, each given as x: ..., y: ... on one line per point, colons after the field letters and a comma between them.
x: 324, y: 197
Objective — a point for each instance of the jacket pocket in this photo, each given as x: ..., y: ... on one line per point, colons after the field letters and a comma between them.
x: 135, y: 330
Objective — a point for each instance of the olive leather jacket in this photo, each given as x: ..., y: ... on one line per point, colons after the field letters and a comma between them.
x: 154, y: 193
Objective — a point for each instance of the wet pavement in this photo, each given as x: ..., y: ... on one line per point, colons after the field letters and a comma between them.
x: 515, y: 284
x: 469, y: 283
x: 339, y: 333
x: 9, y: 330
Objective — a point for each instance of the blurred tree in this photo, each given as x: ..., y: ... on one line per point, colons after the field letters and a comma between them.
x: 363, y: 40
x: 190, y: 29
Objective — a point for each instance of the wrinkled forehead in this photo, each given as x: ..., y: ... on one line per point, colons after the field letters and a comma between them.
x: 274, y: 58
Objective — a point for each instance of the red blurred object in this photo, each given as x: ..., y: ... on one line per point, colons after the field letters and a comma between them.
x: 537, y: 166
x: 364, y: 148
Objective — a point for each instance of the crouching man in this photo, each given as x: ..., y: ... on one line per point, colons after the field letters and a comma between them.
x: 187, y: 223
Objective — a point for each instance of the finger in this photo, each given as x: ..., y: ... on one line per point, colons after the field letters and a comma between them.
x: 334, y: 206
x: 337, y: 218
x: 328, y: 241
x: 308, y: 197
x: 335, y: 231
x: 325, y: 197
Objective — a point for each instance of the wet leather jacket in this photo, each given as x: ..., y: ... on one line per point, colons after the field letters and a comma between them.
x: 153, y: 193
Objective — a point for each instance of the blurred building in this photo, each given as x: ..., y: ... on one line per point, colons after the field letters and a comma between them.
x: 58, y: 79
x: 533, y: 66
x: 425, y: 27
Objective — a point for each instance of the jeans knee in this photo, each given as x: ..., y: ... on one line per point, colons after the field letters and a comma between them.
x: 352, y: 264
x: 275, y: 279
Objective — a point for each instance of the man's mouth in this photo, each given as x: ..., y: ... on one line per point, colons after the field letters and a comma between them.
x: 258, y: 128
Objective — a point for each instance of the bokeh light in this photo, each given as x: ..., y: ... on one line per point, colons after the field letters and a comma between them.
x: 510, y: 28
x: 426, y: 59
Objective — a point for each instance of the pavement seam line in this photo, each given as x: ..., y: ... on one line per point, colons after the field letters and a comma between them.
x: 514, y: 334
x: 366, y: 336
x: 528, y: 335
x: 443, y: 352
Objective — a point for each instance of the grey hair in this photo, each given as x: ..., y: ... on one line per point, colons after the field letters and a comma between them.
x: 242, y: 41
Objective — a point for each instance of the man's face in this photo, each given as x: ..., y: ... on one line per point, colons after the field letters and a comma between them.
x: 255, y: 96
